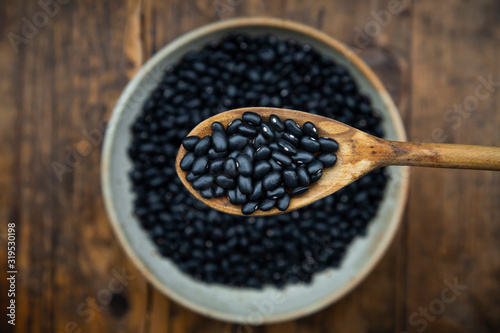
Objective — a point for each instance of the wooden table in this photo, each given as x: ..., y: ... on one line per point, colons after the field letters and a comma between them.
x: 434, y: 57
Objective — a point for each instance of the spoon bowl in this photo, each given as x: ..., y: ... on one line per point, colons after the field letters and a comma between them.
x: 359, y: 153
x: 351, y: 154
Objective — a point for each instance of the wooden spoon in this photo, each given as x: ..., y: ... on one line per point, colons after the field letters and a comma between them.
x: 359, y: 154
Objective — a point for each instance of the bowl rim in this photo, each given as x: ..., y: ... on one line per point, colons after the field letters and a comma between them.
x: 119, y: 108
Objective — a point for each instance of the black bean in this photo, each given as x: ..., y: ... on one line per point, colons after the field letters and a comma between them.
x: 278, y: 192
x: 230, y: 169
x: 237, y: 141
x: 291, y: 138
x: 303, y: 157
x: 276, y: 123
x: 249, y: 151
x: 190, y: 177
x: 287, y: 147
x: 266, y: 131
x: 147, y: 148
x: 314, y: 167
x: 275, y: 165
x: 281, y: 158
x: 271, y: 180
x: 245, y: 184
x: 253, y: 75
x: 216, y: 166
x: 244, y: 165
x: 316, y: 176
x: 261, y: 169
x: 249, y: 207
x: 233, y: 154
x: 260, y: 141
x: 303, y: 176
x: 310, y: 144
x: 213, y: 155
x: 293, y: 128
x: 299, y: 191
x: 187, y: 161
x: 207, y: 193
x: 199, y: 66
x: 219, y: 141
x: 190, y: 142
x: 200, y: 165
x: 231, y: 195
x: 284, y: 202
x: 267, y: 204
x: 232, y: 128
x: 203, y: 182
x: 203, y: 146
x: 290, y: 178
x: 217, y: 126
x: 247, y: 130
x: 156, y: 181
x: 191, y: 76
x: 225, y: 182
x: 263, y: 153
x: 218, y: 191
x: 274, y: 145
x: 241, y: 198
x: 252, y: 118
x: 328, y: 145
x: 309, y: 129
x: 257, y: 192
x: 328, y: 159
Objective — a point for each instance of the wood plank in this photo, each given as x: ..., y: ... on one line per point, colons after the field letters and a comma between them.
x: 66, y: 81
x: 451, y: 216
x: 9, y: 145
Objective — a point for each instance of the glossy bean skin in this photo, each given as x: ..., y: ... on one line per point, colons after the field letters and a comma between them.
x: 244, y: 165
x: 190, y: 142
x: 284, y: 202
x: 187, y: 161
x: 203, y: 146
x: 328, y: 145
x: 276, y: 123
x: 290, y: 178
x: 237, y: 141
x: 267, y: 204
x: 271, y: 180
x: 310, y: 129
x: 261, y: 169
x: 299, y: 191
x: 310, y: 144
x: 252, y: 118
x: 263, y: 153
x: 328, y: 159
x: 230, y: 168
x: 293, y: 128
x: 219, y: 140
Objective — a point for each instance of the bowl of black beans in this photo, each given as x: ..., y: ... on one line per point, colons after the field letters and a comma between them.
x: 248, y: 269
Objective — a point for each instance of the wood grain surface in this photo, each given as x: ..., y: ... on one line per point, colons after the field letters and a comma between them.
x: 438, y: 59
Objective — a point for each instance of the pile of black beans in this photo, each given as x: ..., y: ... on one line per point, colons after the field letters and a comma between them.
x: 244, y: 71
x: 256, y: 163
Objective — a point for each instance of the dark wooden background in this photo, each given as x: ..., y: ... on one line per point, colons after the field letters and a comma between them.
x: 68, y: 75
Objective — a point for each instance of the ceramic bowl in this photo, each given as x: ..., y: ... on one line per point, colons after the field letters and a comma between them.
x: 246, y: 306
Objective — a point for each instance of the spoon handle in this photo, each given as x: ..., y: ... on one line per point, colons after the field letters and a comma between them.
x: 439, y: 155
